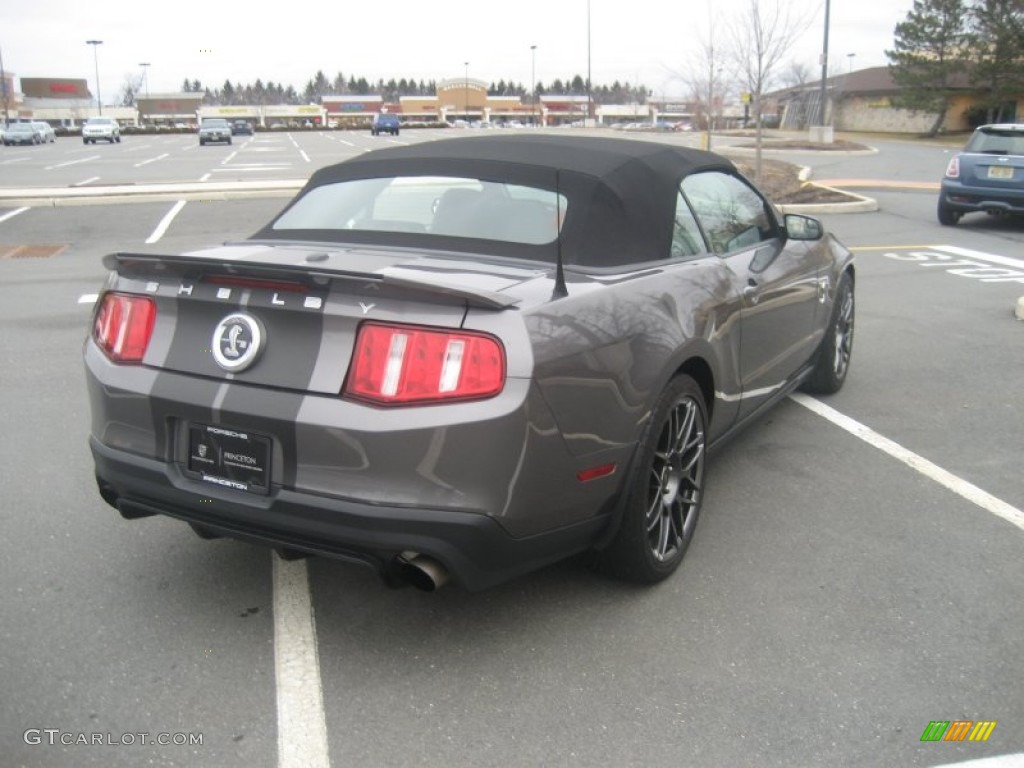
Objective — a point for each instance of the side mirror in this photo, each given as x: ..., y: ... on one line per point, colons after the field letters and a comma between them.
x: 803, y: 227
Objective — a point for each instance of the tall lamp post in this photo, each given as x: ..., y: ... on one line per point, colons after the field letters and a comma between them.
x: 824, y: 68
x: 96, y: 62
x: 3, y: 88
x: 533, y: 80
x: 145, y: 78
x: 586, y: 122
x: 145, y: 82
x: 466, y: 92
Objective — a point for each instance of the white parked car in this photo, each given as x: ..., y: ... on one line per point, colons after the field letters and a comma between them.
x: 101, y: 129
x: 45, y: 131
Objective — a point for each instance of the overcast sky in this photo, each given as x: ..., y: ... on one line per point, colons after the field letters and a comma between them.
x: 647, y: 41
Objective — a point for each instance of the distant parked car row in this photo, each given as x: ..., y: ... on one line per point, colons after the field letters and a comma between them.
x: 29, y: 132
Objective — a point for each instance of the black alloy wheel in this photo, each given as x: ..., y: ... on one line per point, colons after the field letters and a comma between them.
x: 833, y: 356
x: 666, y: 491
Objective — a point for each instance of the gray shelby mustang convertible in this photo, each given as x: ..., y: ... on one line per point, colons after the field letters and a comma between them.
x: 466, y: 359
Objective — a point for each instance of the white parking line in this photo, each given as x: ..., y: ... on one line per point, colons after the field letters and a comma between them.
x: 152, y: 160
x: 301, y: 723
x: 235, y: 168
x: 999, y: 761
x: 15, y: 160
x: 958, y: 485
x: 227, y: 159
x: 304, y: 156
x: 165, y: 222
x: 90, y: 180
x: 72, y: 162
x: 12, y: 214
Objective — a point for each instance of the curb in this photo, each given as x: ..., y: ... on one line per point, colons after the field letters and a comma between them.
x: 58, y: 197
x: 858, y: 204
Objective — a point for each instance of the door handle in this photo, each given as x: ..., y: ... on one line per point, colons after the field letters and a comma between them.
x: 750, y: 292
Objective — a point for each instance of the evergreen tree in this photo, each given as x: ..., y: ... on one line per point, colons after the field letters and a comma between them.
x: 997, y: 42
x: 929, y: 56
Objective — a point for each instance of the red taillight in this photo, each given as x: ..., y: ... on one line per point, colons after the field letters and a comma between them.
x: 123, y: 326
x: 401, y: 365
x: 953, y: 169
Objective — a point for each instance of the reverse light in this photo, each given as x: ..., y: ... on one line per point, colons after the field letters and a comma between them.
x: 953, y: 169
x: 404, y: 365
x: 123, y: 326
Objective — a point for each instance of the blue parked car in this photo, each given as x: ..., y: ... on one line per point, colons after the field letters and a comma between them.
x: 988, y: 175
x: 385, y: 123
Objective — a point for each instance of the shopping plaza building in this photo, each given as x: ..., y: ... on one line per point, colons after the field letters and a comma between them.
x: 67, y: 103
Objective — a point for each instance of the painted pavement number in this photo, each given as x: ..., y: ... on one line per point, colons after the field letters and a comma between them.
x: 963, y: 262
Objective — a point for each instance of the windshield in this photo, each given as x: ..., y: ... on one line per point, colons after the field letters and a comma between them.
x: 215, y: 123
x: 436, y: 205
x: 997, y: 141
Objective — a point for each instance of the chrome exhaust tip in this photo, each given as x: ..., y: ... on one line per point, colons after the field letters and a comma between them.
x: 422, y: 571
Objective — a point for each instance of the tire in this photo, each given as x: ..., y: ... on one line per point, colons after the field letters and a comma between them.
x: 85, y: 141
x: 832, y: 360
x: 665, y: 493
x: 947, y: 216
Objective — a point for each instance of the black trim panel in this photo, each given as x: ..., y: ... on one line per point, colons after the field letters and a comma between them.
x: 477, y: 551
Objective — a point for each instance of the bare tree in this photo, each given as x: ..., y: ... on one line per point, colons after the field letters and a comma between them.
x: 796, y: 74
x: 703, y: 75
x: 130, y: 89
x: 763, y: 34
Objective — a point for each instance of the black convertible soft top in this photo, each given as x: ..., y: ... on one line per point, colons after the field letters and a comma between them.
x: 621, y: 193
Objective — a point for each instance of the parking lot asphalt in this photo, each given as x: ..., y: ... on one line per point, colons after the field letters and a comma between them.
x: 835, y: 602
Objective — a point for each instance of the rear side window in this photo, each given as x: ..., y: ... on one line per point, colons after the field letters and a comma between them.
x: 732, y: 215
x: 687, y: 240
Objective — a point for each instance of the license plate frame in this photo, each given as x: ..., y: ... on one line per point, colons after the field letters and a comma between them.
x: 1000, y: 172
x: 230, y: 458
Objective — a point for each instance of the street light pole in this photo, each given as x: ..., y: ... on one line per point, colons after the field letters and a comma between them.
x: 466, y: 92
x: 96, y: 61
x: 3, y: 87
x: 145, y: 78
x: 824, y: 66
x: 589, y: 105
x: 533, y: 80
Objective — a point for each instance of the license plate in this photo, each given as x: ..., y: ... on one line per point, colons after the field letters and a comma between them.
x: 1000, y: 172
x: 230, y: 458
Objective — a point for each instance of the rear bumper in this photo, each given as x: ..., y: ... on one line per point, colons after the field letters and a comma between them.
x: 967, y: 198
x: 475, y: 549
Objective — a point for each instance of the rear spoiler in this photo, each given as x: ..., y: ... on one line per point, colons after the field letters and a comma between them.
x: 196, y: 266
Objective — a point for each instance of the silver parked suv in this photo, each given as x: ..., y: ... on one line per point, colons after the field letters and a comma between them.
x: 101, y: 128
